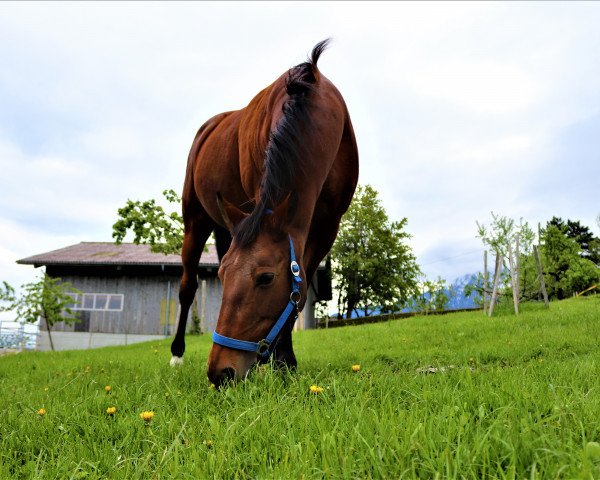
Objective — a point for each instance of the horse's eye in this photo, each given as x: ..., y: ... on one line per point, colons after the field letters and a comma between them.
x: 265, y: 279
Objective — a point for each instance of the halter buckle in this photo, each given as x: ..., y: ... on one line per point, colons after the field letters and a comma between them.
x: 263, y: 347
x: 295, y: 268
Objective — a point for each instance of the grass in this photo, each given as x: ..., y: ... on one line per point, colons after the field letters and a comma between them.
x: 511, y: 398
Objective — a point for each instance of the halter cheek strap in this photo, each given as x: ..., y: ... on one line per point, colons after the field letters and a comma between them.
x: 263, y: 347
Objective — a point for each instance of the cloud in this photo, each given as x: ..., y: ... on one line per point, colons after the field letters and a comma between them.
x: 485, y: 87
x: 20, y: 241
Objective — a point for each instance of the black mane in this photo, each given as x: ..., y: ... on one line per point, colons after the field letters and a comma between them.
x: 284, y: 153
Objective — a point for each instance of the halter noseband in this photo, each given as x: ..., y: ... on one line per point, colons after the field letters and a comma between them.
x: 263, y: 347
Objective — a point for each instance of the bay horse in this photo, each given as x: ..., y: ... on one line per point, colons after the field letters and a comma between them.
x: 272, y: 180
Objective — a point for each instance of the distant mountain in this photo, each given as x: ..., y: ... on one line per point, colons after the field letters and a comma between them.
x: 459, y: 300
x: 456, y: 294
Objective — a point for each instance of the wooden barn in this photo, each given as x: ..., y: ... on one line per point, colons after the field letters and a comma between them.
x: 130, y: 294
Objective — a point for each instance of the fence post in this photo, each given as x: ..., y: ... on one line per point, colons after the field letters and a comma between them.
x: 513, y: 279
x: 23, y: 342
x: 518, y: 266
x: 485, y: 283
x: 496, y: 281
x: 168, y: 309
x: 541, y: 275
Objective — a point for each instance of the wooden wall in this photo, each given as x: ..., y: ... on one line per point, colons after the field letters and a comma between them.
x: 145, y: 304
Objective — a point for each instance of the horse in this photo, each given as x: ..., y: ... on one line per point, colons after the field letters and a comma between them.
x: 272, y: 181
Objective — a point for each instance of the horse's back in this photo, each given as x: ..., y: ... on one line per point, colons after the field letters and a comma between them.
x: 228, y: 153
x: 213, y: 164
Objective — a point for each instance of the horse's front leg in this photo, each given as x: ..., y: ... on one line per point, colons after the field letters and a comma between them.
x: 284, y: 352
x: 196, y: 233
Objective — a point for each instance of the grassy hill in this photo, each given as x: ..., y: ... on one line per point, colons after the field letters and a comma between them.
x: 459, y: 395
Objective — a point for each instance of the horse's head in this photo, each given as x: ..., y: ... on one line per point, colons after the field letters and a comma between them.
x: 261, y: 280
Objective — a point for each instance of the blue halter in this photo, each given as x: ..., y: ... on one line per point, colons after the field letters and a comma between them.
x: 263, y: 347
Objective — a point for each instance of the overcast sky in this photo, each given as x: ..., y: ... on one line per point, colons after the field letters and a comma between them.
x: 459, y: 109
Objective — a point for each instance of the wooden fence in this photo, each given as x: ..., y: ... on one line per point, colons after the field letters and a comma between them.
x: 343, y: 322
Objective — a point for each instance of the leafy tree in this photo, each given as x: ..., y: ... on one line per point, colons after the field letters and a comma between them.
x: 49, y: 298
x: 530, y: 284
x: 151, y: 225
x: 581, y: 275
x: 502, y: 233
x: 594, y: 251
x: 434, y: 296
x: 502, y: 236
x: 474, y: 288
x: 566, y: 273
x: 566, y: 249
x: 372, y: 266
x: 588, y: 243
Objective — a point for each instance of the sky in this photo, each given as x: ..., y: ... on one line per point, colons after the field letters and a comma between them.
x: 459, y: 109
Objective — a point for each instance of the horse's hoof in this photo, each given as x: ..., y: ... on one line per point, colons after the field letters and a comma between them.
x: 175, y: 361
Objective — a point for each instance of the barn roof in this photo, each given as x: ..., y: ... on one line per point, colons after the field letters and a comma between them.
x: 107, y: 253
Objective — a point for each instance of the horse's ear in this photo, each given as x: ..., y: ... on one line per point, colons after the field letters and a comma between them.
x: 231, y: 215
x: 278, y: 219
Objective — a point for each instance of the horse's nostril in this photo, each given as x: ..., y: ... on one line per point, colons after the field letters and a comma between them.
x: 227, y: 375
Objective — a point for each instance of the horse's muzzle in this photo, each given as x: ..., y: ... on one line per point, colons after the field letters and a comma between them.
x: 225, y: 376
x: 227, y: 366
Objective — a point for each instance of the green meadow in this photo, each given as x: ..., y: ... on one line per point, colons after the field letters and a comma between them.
x: 451, y: 396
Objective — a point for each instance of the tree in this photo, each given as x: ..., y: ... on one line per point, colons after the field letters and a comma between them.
x: 566, y: 273
x: 508, y: 241
x: 374, y: 270
x: 530, y: 283
x: 475, y: 289
x: 589, y: 245
x: 49, y: 298
x: 434, y: 296
x: 151, y: 225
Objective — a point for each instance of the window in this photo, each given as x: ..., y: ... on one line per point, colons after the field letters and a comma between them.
x: 88, y: 301
x: 115, y: 302
x: 101, y: 301
x: 107, y: 302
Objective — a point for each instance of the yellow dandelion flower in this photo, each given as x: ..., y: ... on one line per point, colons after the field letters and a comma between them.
x: 315, y: 390
x: 111, y: 410
x: 147, y: 416
x: 42, y: 412
x: 208, y: 443
x: 108, y: 389
x: 356, y: 368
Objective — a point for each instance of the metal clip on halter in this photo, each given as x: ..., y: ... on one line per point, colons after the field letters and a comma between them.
x: 263, y: 347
